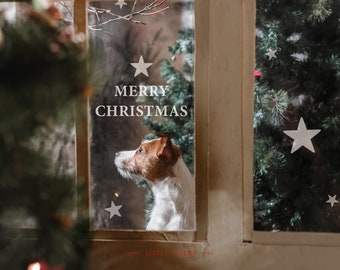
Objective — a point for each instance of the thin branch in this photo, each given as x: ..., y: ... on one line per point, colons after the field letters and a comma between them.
x: 129, y: 17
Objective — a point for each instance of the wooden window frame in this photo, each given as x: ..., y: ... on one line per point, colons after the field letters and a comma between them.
x: 201, y: 102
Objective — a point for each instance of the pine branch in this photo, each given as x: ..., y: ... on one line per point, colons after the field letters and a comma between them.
x: 320, y: 11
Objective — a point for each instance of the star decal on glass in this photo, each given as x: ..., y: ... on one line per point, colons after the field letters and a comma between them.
x: 271, y: 54
x: 141, y: 67
x: 302, y: 136
x: 121, y: 3
x: 332, y: 200
x: 113, y: 210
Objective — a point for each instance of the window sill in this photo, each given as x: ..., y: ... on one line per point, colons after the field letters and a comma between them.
x: 295, y: 238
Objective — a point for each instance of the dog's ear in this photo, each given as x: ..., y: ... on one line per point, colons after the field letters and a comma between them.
x: 162, y: 134
x: 165, y: 151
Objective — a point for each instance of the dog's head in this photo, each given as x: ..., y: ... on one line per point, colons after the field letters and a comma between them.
x: 152, y: 160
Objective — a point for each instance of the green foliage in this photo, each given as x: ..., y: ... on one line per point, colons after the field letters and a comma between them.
x: 319, y: 11
x: 181, y: 93
x: 180, y: 129
x: 302, y: 81
x: 42, y: 72
x: 270, y: 105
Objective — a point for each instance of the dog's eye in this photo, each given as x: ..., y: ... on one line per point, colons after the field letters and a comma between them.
x: 140, y: 150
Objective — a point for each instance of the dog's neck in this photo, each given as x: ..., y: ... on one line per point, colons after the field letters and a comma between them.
x: 173, y: 201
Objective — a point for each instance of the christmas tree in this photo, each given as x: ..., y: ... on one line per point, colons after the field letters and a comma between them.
x: 43, y: 72
x: 297, y: 121
x: 181, y: 84
x: 180, y: 129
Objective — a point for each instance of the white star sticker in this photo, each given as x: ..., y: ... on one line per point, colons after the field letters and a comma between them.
x: 141, y: 67
x: 113, y: 210
x: 302, y: 136
x: 332, y: 200
x: 271, y: 54
x: 121, y: 3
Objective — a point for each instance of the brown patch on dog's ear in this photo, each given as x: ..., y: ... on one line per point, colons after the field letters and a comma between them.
x: 165, y: 151
x: 162, y: 134
x: 168, y: 151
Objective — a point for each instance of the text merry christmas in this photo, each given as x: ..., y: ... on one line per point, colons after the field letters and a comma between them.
x: 141, y: 110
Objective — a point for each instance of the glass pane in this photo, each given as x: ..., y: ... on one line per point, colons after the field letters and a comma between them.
x: 297, y: 120
x: 145, y: 86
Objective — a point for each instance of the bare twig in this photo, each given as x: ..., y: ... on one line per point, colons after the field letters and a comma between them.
x: 148, y: 10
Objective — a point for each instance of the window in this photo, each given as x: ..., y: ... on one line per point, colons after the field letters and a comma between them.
x: 146, y: 85
x: 295, y: 122
x: 85, y: 127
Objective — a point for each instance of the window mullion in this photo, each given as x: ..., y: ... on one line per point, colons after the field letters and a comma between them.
x: 82, y: 118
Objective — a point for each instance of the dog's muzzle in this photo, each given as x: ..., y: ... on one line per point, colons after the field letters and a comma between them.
x: 122, y: 162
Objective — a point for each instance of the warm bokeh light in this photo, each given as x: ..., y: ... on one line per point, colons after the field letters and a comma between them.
x: 34, y: 266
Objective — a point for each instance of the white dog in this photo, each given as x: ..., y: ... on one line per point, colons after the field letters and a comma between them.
x: 160, y: 163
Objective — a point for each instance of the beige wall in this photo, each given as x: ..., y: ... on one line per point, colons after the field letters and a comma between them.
x: 224, y: 79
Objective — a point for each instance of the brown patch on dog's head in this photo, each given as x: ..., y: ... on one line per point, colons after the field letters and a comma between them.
x: 154, y: 160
